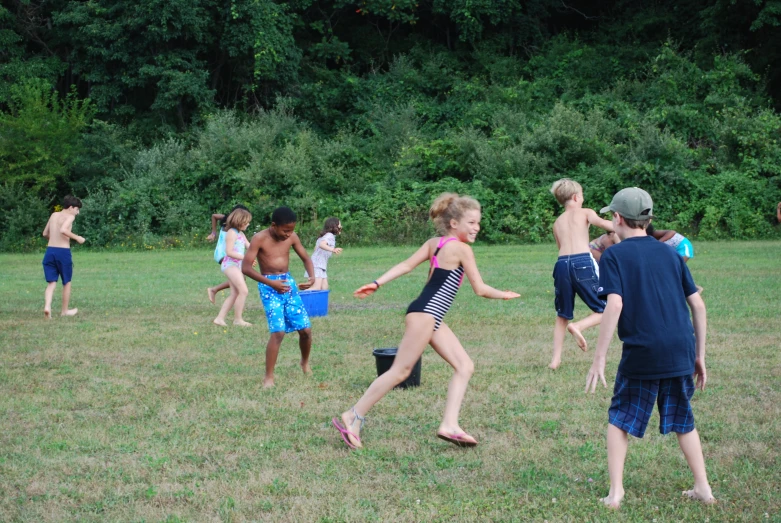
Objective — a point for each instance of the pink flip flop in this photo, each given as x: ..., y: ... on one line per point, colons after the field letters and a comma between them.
x: 344, y: 432
x: 457, y: 439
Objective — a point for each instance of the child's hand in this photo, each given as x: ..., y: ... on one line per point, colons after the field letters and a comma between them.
x: 338, y: 250
x: 80, y: 239
x: 509, y: 295
x: 366, y: 291
x: 596, y: 374
x: 280, y: 286
x: 305, y: 286
x: 210, y: 237
x: 700, y: 374
x: 255, y: 264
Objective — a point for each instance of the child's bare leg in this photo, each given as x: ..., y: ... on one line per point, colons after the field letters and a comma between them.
x: 577, y: 328
x: 692, y: 450
x: 47, y: 299
x: 238, y: 288
x: 66, y: 298
x: 226, y: 306
x: 212, y: 291
x: 316, y: 285
x: 617, y: 444
x: 324, y: 284
x: 272, y: 351
x: 305, y: 344
x: 559, y: 331
x: 420, y: 327
x: 447, y: 345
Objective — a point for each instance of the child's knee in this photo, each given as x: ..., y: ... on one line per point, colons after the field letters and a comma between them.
x: 305, y: 334
x: 467, y: 367
x: 277, y: 337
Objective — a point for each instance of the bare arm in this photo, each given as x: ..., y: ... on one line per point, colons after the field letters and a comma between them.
x: 663, y: 235
x: 401, y: 269
x: 46, y: 229
x: 699, y: 319
x: 615, y: 304
x: 215, y: 219
x: 481, y: 289
x: 65, y: 230
x: 230, y: 245
x: 596, y: 221
x: 324, y: 245
x: 778, y: 212
x: 308, y: 265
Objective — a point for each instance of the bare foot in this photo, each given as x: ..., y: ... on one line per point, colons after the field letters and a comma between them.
x: 554, y: 364
x: 613, y: 501
x: 306, y: 368
x: 211, y: 294
x: 268, y: 383
x: 219, y: 322
x: 705, y: 495
x: 457, y: 436
x: 242, y: 323
x: 354, y: 426
x: 579, y: 339
x: 47, y: 314
x: 70, y: 312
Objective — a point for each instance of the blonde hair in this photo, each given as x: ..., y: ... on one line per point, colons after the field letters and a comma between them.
x: 565, y: 189
x: 450, y: 206
x: 237, y: 219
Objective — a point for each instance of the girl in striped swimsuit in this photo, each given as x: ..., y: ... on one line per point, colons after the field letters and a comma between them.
x: 457, y: 219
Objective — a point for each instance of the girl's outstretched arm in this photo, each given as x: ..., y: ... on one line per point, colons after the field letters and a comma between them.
x: 480, y: 288
x: 401, y: 269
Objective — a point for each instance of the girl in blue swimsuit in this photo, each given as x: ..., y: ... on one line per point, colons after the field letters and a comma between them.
x: 457, y: 219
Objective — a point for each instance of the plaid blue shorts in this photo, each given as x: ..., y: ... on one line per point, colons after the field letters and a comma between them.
x: 633, y: 402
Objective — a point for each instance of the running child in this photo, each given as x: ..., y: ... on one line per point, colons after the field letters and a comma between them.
x: 648, y: 288
x: 457, y: 219
x: 235, y: 246
x: 212, y: 291
x: 576, y: 271
x: 598, y: 245
x: 285, y: 311
x: 325, y: 246
x: 57, y: 262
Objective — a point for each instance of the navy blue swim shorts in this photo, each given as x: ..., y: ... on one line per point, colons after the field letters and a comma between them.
x: 57, y: 263
x: 576, y: 274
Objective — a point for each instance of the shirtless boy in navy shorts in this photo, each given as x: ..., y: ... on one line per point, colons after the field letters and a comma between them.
x: 648, y: 288
x: 57, y: 262
x: 576, y: 271
x: 278, y: 290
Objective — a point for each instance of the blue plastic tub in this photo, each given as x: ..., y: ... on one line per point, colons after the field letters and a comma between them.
x: 315, y: 302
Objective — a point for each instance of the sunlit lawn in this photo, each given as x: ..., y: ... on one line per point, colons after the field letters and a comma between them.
x: 139, y: 409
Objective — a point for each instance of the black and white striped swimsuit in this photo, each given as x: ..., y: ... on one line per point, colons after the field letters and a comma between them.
x: 440, y: 290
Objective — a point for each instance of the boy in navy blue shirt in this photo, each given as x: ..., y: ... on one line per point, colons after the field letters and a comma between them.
x: 648, y: 288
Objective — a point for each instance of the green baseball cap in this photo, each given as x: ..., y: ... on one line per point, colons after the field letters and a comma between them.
x: 632, y: 203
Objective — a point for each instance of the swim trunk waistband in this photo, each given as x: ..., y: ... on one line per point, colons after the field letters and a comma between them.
x: 576, y: 256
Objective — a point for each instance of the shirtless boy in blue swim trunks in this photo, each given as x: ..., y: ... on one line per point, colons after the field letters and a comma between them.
x: 576, y: 272
x: 278, y: 290
x: 57, y: 262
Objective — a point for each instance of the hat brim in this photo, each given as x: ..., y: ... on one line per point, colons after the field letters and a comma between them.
x: 605, y: 209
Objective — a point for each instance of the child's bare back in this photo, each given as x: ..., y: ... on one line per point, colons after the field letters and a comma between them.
x: 56, y: 228
x: 571, y: 230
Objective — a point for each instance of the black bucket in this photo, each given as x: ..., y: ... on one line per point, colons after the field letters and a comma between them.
x: 384, y: 359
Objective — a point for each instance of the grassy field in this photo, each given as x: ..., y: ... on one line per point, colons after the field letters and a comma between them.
x: 139, y: 409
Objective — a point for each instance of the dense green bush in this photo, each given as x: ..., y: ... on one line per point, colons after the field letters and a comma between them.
x: 703, y: 141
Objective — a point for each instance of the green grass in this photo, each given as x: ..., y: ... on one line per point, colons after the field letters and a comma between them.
x: 139, y: 409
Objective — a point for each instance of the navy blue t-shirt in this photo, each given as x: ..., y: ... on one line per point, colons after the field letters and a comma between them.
x: 653, y: 282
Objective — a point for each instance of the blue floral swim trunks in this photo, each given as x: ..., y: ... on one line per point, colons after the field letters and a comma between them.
x: 284, y: 312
